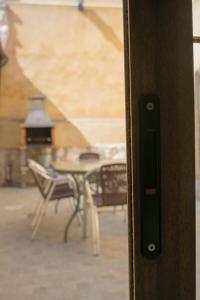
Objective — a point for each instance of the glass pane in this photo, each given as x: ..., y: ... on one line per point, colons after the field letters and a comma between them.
x: 196, y: 32
x: 72, y: 63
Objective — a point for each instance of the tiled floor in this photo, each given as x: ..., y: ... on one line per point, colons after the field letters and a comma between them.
x: 49, y: 269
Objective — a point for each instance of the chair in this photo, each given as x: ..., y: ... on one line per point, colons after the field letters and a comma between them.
x: 89, y: 156
x: 52, y: 188
x: 112, y: 193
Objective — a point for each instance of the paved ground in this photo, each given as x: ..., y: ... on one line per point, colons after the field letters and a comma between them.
x: 49, y: 269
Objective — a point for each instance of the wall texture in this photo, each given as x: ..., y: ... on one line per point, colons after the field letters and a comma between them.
x: 73, y: 58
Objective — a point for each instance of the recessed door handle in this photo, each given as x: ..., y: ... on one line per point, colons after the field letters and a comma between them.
x: 150, y: 190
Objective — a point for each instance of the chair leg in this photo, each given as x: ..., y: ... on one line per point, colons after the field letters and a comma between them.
x: 42, y: 212
x: 37, y: 211
x: 37, y: 205
x: 56, y: 207
x: 86, y: 205
x: 97, y: 233
x: 95, y: 230
x: 39, y: 219
x: 73, y: 205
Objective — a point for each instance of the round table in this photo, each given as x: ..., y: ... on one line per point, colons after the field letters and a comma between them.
x: 79, y: 168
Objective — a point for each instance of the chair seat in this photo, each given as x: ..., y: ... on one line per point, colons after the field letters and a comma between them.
x: 62, y: 191
x: 113, y: 199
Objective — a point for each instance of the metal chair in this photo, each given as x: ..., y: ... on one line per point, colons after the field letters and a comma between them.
x: 51, y: 189
x: 89, y: 156
x: 112, y: 192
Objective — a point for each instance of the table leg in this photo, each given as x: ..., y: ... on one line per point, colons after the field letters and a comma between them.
x: 77, y: 210
x: 84, y: 214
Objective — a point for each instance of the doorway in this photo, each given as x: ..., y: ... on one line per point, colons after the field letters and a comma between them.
x: 65, y: 62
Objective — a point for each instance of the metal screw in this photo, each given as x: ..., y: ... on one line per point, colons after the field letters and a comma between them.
x: 151, y: 247
x: 150, y: 106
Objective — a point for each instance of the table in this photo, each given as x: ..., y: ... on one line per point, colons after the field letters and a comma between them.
x: 79, y: 168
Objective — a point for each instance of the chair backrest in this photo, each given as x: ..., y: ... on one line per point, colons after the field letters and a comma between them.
x: 39, y: 173
x: 113, y: 179
x: 89, y: 156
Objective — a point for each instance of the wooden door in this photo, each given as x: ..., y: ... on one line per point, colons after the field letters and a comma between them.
x: 159, y: 60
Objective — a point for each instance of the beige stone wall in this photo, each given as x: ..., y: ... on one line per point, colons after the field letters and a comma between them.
x: 73, y: 58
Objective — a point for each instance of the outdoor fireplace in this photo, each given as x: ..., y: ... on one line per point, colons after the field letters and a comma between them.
x: 39, y: 136
x: 36, y: 136
x: 37, y: 128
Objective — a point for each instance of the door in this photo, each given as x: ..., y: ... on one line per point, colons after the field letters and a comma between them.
x: 159, y: 65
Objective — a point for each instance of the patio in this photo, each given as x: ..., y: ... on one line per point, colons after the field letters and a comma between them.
x: 60, y: 83
x: 83, y: 91
x: 46, y: 268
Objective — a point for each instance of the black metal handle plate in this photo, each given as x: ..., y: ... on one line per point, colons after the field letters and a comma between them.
x: 150, y: 190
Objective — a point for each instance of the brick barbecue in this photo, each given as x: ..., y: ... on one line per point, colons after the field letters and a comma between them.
x: 36, y: 135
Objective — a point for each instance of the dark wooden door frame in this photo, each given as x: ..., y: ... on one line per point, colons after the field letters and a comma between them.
x: 159, y: 59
